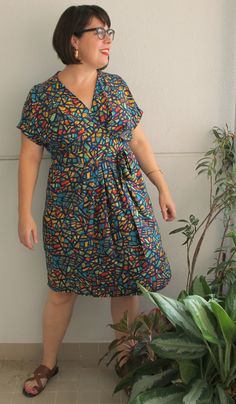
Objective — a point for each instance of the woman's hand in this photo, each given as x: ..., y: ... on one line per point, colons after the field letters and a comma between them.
x: 167, y: 206
x: 26, y: 226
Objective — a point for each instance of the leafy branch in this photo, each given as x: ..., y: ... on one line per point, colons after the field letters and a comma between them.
x: 219, y: 164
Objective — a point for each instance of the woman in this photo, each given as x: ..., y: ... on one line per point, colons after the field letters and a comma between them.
x: 99, y: 231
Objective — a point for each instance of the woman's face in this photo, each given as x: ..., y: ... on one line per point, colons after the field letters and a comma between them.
x: 90, y: 46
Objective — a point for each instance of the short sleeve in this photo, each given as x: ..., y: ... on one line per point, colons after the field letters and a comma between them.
x: 132, y: 107
x: 32, y: 122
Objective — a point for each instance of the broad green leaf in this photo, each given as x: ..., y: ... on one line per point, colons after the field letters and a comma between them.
x: 158, y: 395
x: 232, y: 234
x: 203, y: 317
x: 146, y: 382
x: 224, y: 398
x: 230, y: 302
x: 195, y: 392
x: 227, y: 326
x: 147, y: 368
x: 174, y: 345
x: 174, y: 310
x: 146, y: 293
x: 206, y: 396
x: 189, y: 370
x: 232, y: 373
x: 200, y: 287
x: 182, y: 295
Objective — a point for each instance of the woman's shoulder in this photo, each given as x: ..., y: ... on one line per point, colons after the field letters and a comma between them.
x: 41, y: 90
x: 113, y: 79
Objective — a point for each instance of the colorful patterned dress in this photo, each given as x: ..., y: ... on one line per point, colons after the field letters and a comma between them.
x: 100, y: 234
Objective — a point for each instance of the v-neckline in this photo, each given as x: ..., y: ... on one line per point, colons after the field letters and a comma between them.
x: 75, y: 96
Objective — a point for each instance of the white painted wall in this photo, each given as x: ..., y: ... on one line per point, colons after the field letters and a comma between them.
x: 178, y: 58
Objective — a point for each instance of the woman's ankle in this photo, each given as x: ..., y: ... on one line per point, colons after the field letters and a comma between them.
x: 49, y: 363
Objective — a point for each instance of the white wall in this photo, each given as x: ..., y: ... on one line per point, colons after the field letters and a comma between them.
x: 178, y: 57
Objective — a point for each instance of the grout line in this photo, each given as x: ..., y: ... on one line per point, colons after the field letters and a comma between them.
x: 13, y: 398
x: 55, y: 398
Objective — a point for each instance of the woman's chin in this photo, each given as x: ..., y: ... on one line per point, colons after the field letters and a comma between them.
x: 104, y: 64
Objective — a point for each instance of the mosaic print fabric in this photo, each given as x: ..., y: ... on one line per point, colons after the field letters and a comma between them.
x: 100, y: 234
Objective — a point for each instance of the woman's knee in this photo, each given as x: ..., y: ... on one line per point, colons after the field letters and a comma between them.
x: 58, y: 298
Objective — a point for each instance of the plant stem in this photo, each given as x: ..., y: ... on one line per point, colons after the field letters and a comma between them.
x: 222, y: 241
x: 196, y: 251
x: 188, y: 263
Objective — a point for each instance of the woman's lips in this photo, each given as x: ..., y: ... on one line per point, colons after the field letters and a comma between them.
x: 105, y: 52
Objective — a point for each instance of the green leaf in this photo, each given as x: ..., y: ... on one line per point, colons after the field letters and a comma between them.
x: 202, y: 171
x: 182, y: 295
x: 174, y: 310
x: 211, y: 151
x: 177, y: 230
x: 232, y: 234
x: 232, y: 373
x: 174, y: 345
x: 122, y: 325
x: 195, y: 392
x: 227, y: 326
x: 203, y: 164
x: 188, y: 370
x: 146, y: 293
x: 200, y: 287
x: 183, y: 220
x: 207, y: 395
x: 224, y: 398
x: 203, y: 317
x: 158, y: 395
x: 146, y: 382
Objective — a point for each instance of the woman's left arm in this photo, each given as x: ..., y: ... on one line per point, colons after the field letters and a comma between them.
x: 147, y: 161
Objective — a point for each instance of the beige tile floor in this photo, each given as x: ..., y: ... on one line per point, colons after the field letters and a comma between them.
x: 74, y: 384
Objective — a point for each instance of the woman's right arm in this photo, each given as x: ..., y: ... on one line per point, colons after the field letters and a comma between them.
x: 30, y: 157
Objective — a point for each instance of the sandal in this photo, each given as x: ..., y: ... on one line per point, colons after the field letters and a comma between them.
x: 42, y: 372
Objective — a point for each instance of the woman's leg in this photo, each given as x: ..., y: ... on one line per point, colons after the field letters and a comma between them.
x: 118, y: 306
x: 56, y: 317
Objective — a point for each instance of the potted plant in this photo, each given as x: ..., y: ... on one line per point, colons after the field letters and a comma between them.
x: 203, y: 347
x: 158, y: 371
x: 136, y: 340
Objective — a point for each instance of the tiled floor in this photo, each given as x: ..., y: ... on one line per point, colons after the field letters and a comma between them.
x: 73, y: 384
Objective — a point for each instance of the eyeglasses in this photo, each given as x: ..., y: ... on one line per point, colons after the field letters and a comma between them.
x: 100, y: 31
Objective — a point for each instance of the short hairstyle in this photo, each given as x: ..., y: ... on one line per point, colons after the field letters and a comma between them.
x: 74, y: 18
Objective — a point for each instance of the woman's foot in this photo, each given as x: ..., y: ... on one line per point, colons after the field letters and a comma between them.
x: 38, y: 380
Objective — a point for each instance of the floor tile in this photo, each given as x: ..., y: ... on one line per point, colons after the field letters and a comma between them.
x: 66, y: 397
x: 74, y: 384
x: 89, y: 377
x: 6, y: 398
x: 90, y: 396
x: 106, y: 397
x: 45, y: 397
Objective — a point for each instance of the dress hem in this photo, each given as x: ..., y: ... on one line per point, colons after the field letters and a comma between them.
x: 138, y: 293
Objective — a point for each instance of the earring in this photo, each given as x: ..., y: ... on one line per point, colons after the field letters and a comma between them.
x: 76, y: 54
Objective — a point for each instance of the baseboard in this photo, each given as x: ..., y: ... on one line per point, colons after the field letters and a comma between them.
x: 87, y: 353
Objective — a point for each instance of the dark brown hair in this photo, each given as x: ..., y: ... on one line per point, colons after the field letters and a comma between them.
x: 74, y: 18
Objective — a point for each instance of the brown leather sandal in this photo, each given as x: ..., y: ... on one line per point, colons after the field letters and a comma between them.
x: 40, y: 373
